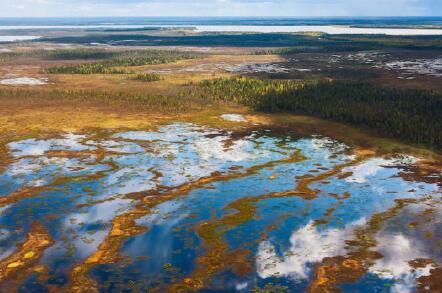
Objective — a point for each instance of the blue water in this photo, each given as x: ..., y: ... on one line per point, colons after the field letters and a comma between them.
x: 283, y: 241
x: 280, y: 21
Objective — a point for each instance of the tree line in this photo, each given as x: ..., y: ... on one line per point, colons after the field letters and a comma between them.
x: 412, y: 115
x: 123, y: 59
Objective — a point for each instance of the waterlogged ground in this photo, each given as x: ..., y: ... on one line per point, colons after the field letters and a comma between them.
x: 191, y: 208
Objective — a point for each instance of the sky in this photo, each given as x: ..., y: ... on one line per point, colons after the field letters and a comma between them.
x: 61, y: 8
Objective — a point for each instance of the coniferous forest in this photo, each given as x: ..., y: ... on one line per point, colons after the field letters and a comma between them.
x: 412, y: 115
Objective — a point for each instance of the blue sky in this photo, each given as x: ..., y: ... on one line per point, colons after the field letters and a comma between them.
x: 220, y: 8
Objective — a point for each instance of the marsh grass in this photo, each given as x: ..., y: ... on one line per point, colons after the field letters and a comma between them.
x: 147, y: 77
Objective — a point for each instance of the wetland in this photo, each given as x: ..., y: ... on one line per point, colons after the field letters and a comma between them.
x: 191, y: 207
x: 187, y: 161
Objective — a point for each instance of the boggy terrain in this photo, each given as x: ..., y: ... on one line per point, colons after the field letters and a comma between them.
x: 119, y: 173
x: 237, y: 208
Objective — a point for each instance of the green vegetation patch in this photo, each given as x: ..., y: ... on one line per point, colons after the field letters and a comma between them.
x: 94, y: 68
x: 149, y: 57
x: 124, y: 59
x: 78, y: 54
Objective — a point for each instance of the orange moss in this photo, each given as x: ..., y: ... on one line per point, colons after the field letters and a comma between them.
x: 27, y: 255
x: 431, y: 283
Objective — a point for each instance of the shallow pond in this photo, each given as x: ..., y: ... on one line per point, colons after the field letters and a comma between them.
x: 9, y: 39
x: 187, y: 207
x: 24, y: 81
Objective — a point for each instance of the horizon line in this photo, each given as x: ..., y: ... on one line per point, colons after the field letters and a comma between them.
x: 227, y: 16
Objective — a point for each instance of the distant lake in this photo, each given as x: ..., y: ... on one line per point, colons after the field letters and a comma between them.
x: 329, y: 29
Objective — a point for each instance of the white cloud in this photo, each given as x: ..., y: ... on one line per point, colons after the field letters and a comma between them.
x: 308, y: 246
x: 214, y: 149
x: 362, y: 173
x: 398, y: 251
